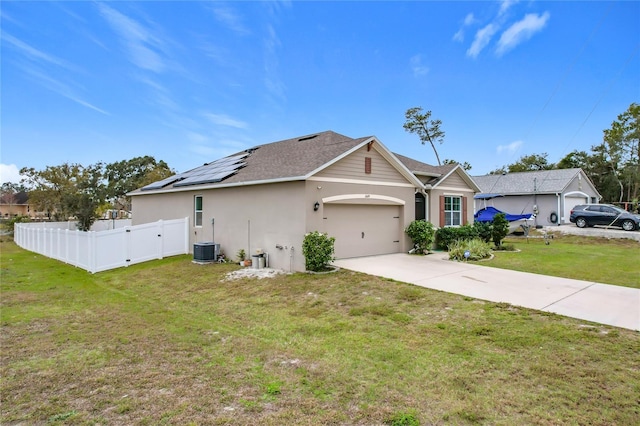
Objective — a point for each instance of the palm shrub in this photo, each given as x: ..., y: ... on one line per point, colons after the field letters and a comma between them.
x: 499, y: 229
x: 477, y: 249
x: 318, y: 249
x: 422, y: 234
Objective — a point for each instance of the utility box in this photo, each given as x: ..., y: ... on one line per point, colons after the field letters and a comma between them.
x: 205, y: 252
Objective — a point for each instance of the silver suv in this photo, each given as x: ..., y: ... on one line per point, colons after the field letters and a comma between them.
x: 604, y: 214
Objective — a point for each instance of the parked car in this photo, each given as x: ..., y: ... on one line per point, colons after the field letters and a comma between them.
x: 585, y: 215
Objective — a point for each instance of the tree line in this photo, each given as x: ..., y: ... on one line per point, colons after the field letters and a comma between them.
x: 613, y: 165
x: 84, y: 192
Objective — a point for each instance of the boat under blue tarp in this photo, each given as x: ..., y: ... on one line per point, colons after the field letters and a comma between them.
x: 486, y: 215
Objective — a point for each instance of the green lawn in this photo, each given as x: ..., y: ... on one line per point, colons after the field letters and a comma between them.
x: 609, y: 261
x: 172, y: 342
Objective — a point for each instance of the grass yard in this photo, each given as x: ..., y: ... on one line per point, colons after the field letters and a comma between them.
x: 608, y: 261
x: 172, y: 342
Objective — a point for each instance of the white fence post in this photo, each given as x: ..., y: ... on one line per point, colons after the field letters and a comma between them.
x: 186, y: 235
x: 127, y: 244
x: 160, y: 239
x: 92, y: 252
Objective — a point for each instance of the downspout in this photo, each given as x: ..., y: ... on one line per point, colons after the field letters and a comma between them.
x: 426, y: 204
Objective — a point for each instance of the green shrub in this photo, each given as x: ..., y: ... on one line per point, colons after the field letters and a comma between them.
x: 499, y: 229
x: 241, y: 255
x: 9, y: 224
x: 477, y: 248
x: 446, y: 236
x: 318, y: 249
x: 422, y: 234
x: 403, y: 419
x: 484, y: 230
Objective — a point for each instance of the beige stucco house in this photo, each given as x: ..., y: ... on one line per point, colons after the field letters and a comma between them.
x: 14, y: 204
x: 268, y: 197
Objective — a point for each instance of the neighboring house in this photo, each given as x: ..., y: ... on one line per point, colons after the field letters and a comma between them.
x: 553, y: 193
x: 14, y: 204
x: 268, y: 197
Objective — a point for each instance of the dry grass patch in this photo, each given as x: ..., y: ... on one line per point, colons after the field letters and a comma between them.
x: 173, y: 342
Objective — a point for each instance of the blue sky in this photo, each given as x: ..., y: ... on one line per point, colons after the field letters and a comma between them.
x: 190, y: 82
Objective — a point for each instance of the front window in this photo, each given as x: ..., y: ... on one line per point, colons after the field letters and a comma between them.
x: 452, y: 211
x: 197, y: 218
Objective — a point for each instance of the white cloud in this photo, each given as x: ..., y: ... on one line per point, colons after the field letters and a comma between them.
x: 521, y: 31
x: 139, y: 41
x: 482, y: 38
x: 417, y: 67
x: 197, y: 138
x: 202, y: 150
x: 224, y: 147
x: 34, y: 54
x: 9, y: 173
x: 230, y: 19
x: 272, y: 80
x: 225, y: 120
x: 510, y: 148
x: 505, y: 5
x: 468, y: 20
x: 61, y: 89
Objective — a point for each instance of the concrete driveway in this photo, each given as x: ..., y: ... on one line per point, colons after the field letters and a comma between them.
x: 600, y: 303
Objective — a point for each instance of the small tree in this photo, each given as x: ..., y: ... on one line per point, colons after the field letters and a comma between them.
x: 9, y: 224
x: 318, y: 250
x: 428, y: 130
x: 422, y: 234
x: 500, y: 228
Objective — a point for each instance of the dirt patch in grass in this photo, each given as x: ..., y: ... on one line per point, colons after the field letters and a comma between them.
x: 172, y: 342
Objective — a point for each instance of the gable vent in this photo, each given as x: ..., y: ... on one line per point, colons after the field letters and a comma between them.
x: 306, y: 138
x: 367, y: 165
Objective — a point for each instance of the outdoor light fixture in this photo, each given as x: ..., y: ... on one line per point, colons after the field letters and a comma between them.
x: 316, y: 206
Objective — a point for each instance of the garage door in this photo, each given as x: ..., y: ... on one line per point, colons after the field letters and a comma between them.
x: 363, y: 230
x: 569, y: 204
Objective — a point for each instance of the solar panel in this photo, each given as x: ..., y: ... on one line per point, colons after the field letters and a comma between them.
x: 161, y: 183
x: 212, y: 178
x: 229, y: 160
x: 212, y: 172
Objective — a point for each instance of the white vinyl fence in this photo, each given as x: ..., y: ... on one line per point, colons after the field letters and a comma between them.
x: 99, y: 225
x: 98, y: 251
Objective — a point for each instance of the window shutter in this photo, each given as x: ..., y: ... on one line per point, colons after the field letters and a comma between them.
x: 442, y: 222
x: 464, y: 210
x: 367, y: 165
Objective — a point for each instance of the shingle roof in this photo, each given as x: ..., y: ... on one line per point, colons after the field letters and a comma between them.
x: 274, y: 160
x: 15, y: 198
x: 289, y: 159
x: 416, y: 166
x: 282, y: 160
x: 542, y: 181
